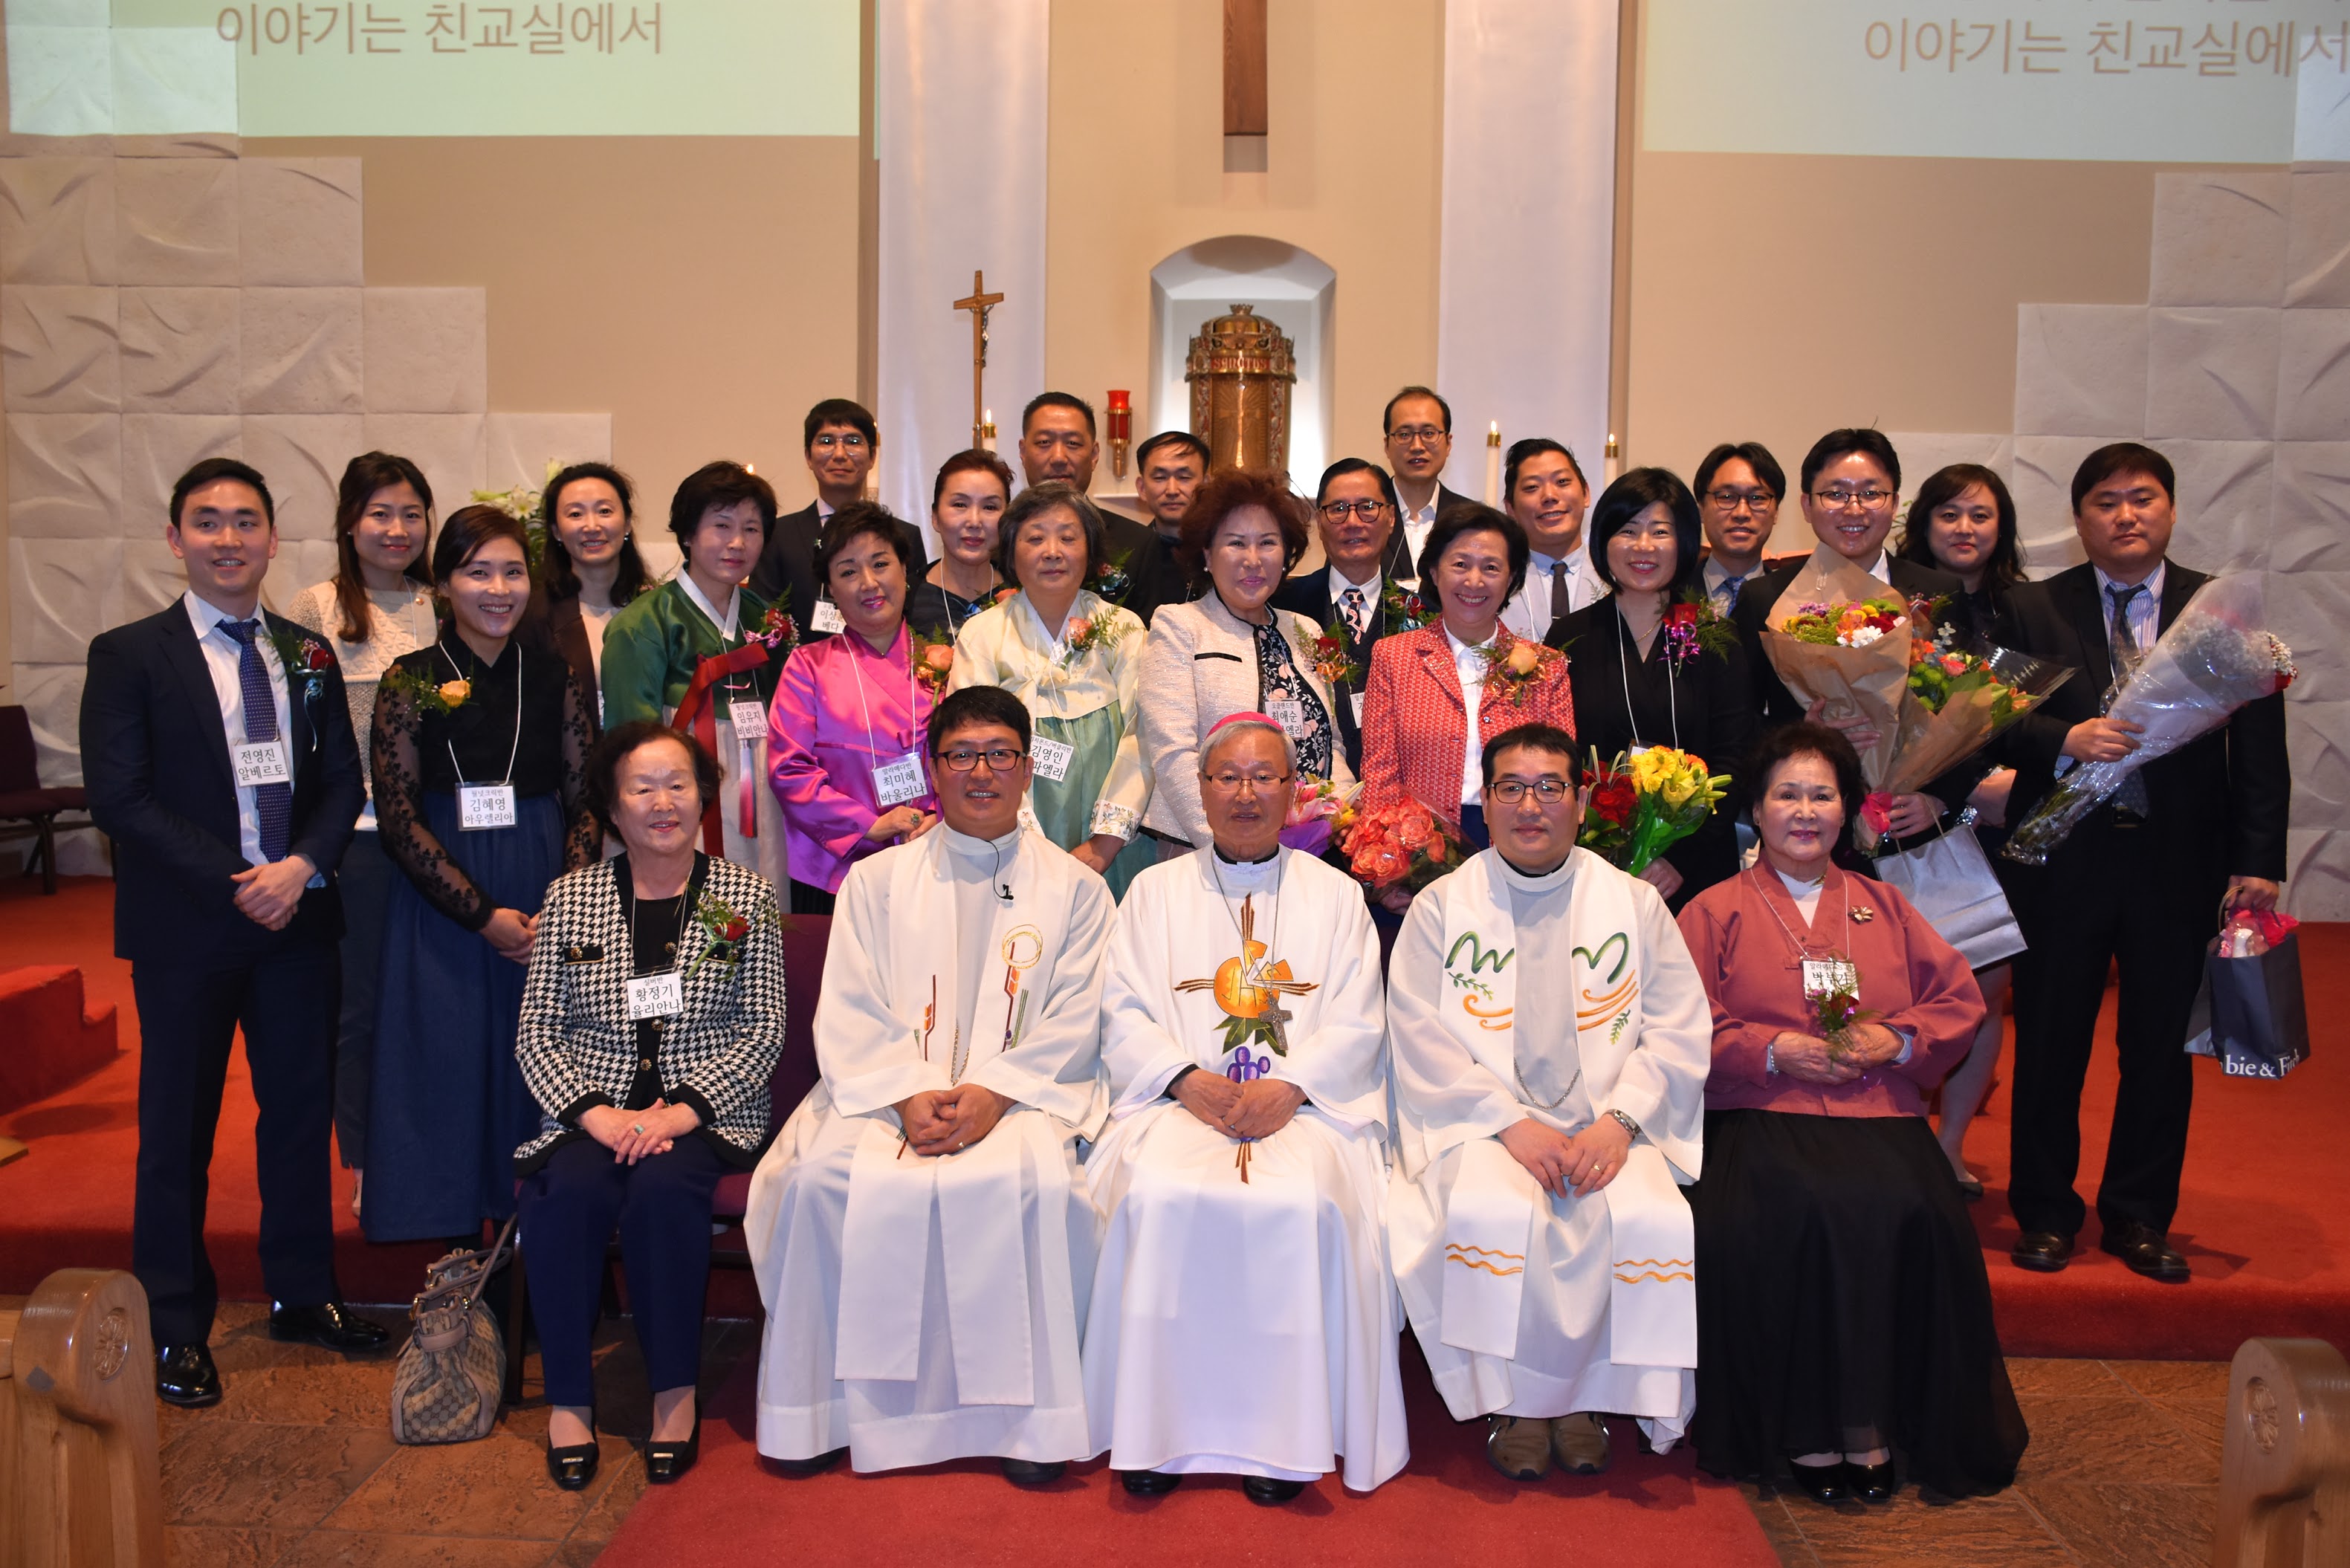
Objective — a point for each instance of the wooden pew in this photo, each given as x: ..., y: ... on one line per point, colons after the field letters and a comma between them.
x: 79, y: 1485
x: 2284, y: 1469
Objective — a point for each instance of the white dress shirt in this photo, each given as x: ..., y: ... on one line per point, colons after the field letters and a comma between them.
x: 1415, y: 524
x: 1470, y: 662
x: 1555, y: 586
x: 223, y: 654
x: 1340, y: 582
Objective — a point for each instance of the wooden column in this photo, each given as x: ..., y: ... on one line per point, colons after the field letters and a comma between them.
x: 87, y: 1492
x: 1246, y: 76
x: 2284, y: 1466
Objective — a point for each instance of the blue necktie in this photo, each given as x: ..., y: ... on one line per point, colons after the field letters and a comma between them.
x: 274, y: 803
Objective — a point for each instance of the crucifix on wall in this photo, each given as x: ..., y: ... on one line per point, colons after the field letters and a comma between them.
x: 979, y: 304
x: 1245, y: 111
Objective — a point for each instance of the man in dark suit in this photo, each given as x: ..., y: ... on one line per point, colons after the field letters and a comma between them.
x: 1356, y: 519
x: 1167, y: 469
x: 1417, y: 425
x: 218, y: 751
x: 1739, y: 488
x: 841, y: 441
x: 1057, y: 443
x: 2139, y: 882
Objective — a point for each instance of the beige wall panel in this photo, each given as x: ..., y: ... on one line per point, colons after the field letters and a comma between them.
x: 158, y: 447
x: 701, y: 290
x: 2312, y: 507
x: 2314, y: 375
x: 2211, y: 373
x: 2080, y: 369
x: 1352, y: 154
x: 447, y: 447
x: 2317, y: 238
x: 2219, y: 239
x: 62, y: 593
x: 180, y: 350
x: 153, y: 577
x: 57, y: 220
x: 65, y: 476
x: 302, y: 456
x: 176, y: 221
x: 300, y: 351
x: 59, y: 348
x: 516, y: 449
x: 428, y: 351
x: 298, y: 221
x: 2226, y: 501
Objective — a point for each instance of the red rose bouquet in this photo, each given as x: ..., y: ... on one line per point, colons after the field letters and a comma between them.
x: 1404, y: 845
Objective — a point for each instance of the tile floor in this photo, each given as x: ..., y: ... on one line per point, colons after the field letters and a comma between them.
x: 297, y: 1465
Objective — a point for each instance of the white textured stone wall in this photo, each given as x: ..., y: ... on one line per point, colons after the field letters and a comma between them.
x: 2237, y: 369
x: 165, y: 299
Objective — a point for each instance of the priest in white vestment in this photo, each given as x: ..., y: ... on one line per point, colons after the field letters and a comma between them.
x: 1242, y: 1319
x: 921, y: 1230
x: 1551, y: 1040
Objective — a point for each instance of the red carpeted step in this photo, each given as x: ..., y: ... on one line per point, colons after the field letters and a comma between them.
x: 1448, y: 1506
x: 50, y: 1038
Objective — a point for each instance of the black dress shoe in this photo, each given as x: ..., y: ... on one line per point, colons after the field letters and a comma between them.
x: 1971, y: 1189
x: 1872, y: 1483
x: 667, y: 1458
x: 330, y: 1325
x: 573, y: 1466
x: 1149, y: 1483
x: 1271, y: 1493
x: 1825, y: 1484
x: 2146, y: 1251
x: 185, y: 1375
x: 814, y: 1467
x: 1029, y: 1473
x: 2042, y: 1251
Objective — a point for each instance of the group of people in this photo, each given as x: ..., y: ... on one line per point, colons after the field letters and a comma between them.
x: 1111, y: 1079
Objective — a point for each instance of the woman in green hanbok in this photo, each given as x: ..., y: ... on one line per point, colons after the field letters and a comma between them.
x: 1075, y: 661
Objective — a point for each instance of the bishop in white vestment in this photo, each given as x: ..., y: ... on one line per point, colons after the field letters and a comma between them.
x: 1242, y: 1319
x: 1551, y: 1040
x: 922, y: 1235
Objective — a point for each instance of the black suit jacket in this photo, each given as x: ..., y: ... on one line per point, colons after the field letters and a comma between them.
x: 1772, y: 700
x: 785, y: 574
x: 2216, y: 807
x: 1310, y: 597
x: 1153, y: 575
x: 155, y: 761
x: 1400, y: 566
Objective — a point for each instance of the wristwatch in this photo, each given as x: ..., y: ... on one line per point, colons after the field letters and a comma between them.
x: 1626, y: 1122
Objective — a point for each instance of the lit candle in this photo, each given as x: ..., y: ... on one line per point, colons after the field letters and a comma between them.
x: 1493, y: 466
x: 1614, y: 467
x: 1121, y: 429
x: 987, y: 430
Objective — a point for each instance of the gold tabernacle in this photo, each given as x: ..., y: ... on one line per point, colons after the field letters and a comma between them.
x: 1240, y: 368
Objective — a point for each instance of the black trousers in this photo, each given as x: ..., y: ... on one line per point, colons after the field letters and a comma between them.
x: 2109, y: 893
x: 189, y: 1015
x: 366, y: 877
x: 661, y: 1205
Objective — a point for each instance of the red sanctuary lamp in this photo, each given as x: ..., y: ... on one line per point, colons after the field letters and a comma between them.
x: 1121, y: 429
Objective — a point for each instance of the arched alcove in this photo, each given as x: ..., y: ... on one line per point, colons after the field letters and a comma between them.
x: 1293, y: 288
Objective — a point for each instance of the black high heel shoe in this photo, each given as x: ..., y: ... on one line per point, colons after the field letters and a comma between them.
x: 665, y: 1461
x: 573, y: 1466
x: 1873, y: 1484
x: 1827, y: 1485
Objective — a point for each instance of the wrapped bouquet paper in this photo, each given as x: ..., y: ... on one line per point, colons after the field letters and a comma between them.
x: 1953, y: 703
x: 2216, y: 656
x: 1841, y: 637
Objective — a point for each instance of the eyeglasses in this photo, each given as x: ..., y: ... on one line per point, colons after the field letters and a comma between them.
x: 1231, y: 782
x: 1368, y: 510
x: 1001, y: 760
x: 851, y: 442
x: 1731, y: 500
x: 1844, y: 500
x: 1510, y: 791
x: 1419, y: 435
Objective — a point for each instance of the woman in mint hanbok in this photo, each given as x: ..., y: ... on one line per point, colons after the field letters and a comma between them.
x: 1074, y: 659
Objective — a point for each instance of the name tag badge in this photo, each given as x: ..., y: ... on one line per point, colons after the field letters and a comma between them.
x: 825, y: 617
x: 1051, y: 757
x: 484, y: 805
x: 1827, y: 977
x: 656, y: 996
x: 1356, y: 698
x: 1290, y: 714
x: 1637, y: 751
x: 260, y: 763
x: 895, y: 784
x: 750, y: 719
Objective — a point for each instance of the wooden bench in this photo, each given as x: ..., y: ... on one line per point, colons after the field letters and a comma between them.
x: 79, y: 1484
x: 2284, y: 1468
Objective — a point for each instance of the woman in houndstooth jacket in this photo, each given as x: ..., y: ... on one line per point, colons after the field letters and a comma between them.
x: 651, y: 1024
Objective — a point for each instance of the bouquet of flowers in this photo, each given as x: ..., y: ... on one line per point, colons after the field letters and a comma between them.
x: 1313, y: 808
x: 1330, y: 660
x: 1404, y: 845
x: 2216, y: 656
x: 1841, y: 637
x: 1836, y: 1013
x: 1643, y: 805
x: 1955, y: 702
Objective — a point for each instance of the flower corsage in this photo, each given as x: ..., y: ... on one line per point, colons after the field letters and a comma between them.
x: 1518, y: 664
x: 305, y: 659
x: 1693, y: 627
x: 1081, y: 634
x: 726, y: 929
x: 1330, y: 660
x: 1404, y: 609
x: 777, y: 632
x: 443, y: 697
x: 933, y: 660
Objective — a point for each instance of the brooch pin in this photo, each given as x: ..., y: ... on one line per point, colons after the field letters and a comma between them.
x: 1862, y: 914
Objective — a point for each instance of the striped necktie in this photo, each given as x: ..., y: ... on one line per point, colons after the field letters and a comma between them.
x: 2122, y: 646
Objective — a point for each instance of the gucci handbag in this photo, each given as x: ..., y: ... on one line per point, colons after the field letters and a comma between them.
x: 452, y: 1370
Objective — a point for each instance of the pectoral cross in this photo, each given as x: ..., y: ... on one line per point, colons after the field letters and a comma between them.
x: 1276, y: 1016
x: 979, y: 304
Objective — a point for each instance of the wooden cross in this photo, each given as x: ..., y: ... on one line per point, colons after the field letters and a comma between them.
x: 979, y: 304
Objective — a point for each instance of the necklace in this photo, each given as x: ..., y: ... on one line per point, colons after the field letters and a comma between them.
x: 1519, y: 1074
x: 1800, y: 948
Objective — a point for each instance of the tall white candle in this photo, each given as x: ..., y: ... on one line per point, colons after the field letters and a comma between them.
x: 1494, y: 464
